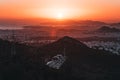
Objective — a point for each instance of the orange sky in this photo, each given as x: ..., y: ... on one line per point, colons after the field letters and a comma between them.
x: 67, y: 9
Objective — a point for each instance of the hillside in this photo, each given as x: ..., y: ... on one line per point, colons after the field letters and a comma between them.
x: 81, y: 63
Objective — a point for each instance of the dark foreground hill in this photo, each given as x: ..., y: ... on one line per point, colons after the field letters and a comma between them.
x: 82, y: 62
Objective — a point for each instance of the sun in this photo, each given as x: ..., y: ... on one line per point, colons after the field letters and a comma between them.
x: 59, y: 16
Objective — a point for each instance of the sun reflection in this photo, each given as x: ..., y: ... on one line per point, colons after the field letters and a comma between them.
x: 53, y: 33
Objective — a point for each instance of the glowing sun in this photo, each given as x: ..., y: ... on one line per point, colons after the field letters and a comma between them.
x: 59, y: 16
x: 55, y: 13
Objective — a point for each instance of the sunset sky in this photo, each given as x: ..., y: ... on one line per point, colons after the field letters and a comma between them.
x: 61, y: 9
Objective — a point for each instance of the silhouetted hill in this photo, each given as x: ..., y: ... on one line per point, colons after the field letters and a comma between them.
x: 70, y: 44
x: 66, y: 42
x: 106, y: 29
x: 82, y: 62
x: 25, y: 64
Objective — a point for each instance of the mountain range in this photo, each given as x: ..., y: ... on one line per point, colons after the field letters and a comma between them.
x: 107, y: 29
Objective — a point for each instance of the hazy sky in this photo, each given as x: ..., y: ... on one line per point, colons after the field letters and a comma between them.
x: 80, y: 9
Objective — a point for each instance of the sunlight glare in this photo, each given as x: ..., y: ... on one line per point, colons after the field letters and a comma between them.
x: 60, y: 16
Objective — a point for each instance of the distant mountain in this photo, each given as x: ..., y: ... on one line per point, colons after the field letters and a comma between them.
x: 90, y: 22
x: 106, y: 29
x: 115, y: 24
